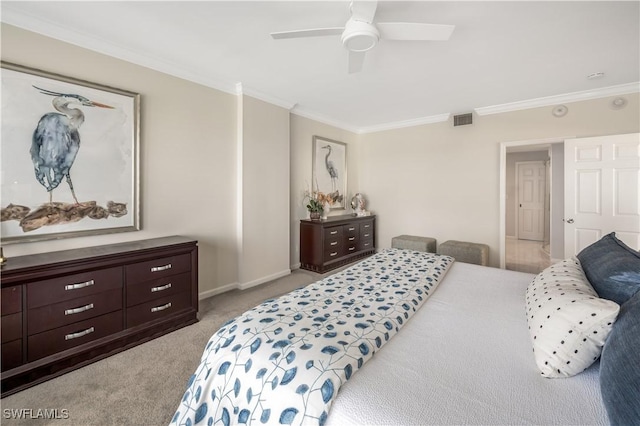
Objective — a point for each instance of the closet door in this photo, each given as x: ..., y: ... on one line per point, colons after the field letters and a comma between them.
x: 602, y: 190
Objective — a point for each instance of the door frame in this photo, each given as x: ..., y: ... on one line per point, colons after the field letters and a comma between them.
x: 517, y: 176
x: 503, y: 185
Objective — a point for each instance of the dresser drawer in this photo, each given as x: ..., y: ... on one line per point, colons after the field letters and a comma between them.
x: 11, y: 300
x: 366, y: 229
x: 331, y: 253
x: 350, y: 248
x: 11, y: 327
x: 60, y: 339
x: 158, y: 308
x: 70, y: 311
x: 11, y: 354
x: 149, y: 290
x: 332, y: 233
x: 350, y: 230
x: 366, y: 244
x: 158, y: 268
x: 56, y: 290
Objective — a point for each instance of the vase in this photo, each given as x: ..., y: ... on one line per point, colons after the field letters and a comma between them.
x: 314, y: 215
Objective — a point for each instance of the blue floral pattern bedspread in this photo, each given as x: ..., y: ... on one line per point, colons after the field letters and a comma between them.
x: 283, y: 361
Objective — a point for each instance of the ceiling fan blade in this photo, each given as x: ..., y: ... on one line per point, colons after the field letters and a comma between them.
x: 356, y: 59
x: 414, y: 31
x: 315, y: 32
x: 364, y: 10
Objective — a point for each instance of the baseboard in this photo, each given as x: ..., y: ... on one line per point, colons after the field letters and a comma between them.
x: 296, y: 266
x: 244, y: 286
x: 511, y: 237
x: 218, y: 290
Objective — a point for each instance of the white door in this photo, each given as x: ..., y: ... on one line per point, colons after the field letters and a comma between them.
x: 531, y: 194
x: 602, y: 184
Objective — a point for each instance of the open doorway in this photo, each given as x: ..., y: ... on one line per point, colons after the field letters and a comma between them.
x: 532, y: 204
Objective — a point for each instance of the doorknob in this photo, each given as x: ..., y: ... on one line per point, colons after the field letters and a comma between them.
x: 569, y: 220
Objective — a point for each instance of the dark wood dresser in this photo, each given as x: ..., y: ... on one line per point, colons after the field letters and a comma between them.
x: 334, y: 242
x: 66, y: 309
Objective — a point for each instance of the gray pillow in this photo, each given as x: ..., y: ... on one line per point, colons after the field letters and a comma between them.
x: 620, y: 366
x: 612, y: 268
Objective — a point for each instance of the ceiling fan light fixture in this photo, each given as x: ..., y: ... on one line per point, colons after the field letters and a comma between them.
x: 359, y: 36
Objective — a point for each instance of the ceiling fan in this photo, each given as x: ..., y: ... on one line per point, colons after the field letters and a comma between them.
x: 360, y: 34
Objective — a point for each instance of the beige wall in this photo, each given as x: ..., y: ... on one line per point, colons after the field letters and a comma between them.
x: 302, y: 132
x: 264, y: 165
x: 187, y: 146
x: 442, y: 181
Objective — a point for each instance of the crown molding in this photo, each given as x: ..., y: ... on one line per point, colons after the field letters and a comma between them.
x: 288, y: 105
x: 406, y: 123
x: 302, y: 112
x: 47, y: 28
x: 560, y: 99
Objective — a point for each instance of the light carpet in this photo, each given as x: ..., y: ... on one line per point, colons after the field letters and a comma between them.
x: 142, y: 385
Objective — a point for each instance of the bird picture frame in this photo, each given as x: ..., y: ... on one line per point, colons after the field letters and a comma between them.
x: 69, y: 157
x: 330, y: 170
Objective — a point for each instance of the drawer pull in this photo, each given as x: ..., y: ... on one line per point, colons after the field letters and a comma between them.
x: 352, y: 248
x: 335, y: 243
x: 78, y: 310
x: 366, y: 226
x: 352, y: 238
x: 352, y: 229
x: 79, y: 334
x: 161, y: 308
x: 333, y: 232
x: 335, y: 253
x: 79, y: 285
x: 367, y: 244
x: 162, y: 287
x: 161, y: 268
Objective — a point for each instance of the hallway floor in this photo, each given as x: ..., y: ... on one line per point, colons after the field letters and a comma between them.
x: 526, y: 256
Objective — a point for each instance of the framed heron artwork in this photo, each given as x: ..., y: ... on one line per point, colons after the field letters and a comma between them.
x: 69, y: 157
x: 330, y: 170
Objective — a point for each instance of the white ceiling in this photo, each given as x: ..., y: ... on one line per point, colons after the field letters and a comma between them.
x: 500, y: 52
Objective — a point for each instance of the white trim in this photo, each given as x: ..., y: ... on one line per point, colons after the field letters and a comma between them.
x: 406, y: 123
x: 244, y: 286
x: 218, y: 290
x: 288, y: 105
x: 302, y: 112
x: 296, y: 266
x: 86, y: 41
x: 559, y: 99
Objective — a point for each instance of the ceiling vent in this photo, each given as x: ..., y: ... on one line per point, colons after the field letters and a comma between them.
x: 462, y: 119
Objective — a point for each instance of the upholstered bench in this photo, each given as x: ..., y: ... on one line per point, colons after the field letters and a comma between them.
x: 466, y: 252
x: 411, y: 242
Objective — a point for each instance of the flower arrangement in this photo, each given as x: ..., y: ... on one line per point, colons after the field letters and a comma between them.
x: 316, y: 201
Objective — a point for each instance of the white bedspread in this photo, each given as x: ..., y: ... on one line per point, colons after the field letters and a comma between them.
x: 466, y: 358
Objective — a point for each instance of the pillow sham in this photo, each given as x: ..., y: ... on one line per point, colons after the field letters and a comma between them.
x: 620, y: 366
x: 612, y: 268
x: 568, y: 322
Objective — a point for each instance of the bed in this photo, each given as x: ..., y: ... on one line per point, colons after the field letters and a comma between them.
x: 455, y: 349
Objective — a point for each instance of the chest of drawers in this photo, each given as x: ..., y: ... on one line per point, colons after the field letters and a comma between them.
x: 66, y: 309
x: 336, y: 241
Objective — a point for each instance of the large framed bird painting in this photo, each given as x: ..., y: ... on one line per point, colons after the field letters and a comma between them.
x: 330, y: 170
x: 69, y: 157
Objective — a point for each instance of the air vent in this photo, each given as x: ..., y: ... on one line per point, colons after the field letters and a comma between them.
x: 462, y: 119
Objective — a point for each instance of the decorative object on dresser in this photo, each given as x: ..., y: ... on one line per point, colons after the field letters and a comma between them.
x: 66, y: 309
x: 337, y: 241
x: 49, y: 115
x: 329, y: 170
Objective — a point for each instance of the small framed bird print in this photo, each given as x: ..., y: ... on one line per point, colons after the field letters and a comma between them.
x: 69, y: 157
x: 330, y: 171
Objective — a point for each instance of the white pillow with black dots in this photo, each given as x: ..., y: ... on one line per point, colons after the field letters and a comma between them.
x: 568, y: 322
